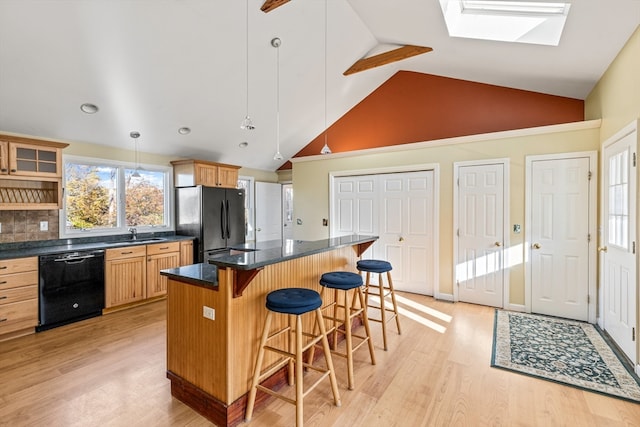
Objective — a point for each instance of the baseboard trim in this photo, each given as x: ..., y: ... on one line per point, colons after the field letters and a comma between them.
x: 516, y: 307
x: 443, y: 297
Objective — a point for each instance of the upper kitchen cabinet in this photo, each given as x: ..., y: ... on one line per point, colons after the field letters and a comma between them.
x: 30, y: 173
x: 187, y: 173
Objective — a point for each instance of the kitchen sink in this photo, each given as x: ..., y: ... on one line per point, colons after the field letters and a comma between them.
x: 143, y: 240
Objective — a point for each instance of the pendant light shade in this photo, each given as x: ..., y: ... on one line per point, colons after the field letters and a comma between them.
x: 247, y: 123
x: 325, y: 147
x: 276, y: 42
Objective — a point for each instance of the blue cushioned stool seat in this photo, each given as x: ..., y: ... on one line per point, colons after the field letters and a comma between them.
x: 344, y: 280
x: 293, y: 300
x: 374, y: 265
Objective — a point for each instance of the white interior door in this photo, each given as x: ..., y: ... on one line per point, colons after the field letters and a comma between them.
x: 400, y: 209
x: 287, y: 211
x: 560, y: 238
x: 480, y: 235
x: 268, y: 211
x: 407, y: 229
x: 618, y: 259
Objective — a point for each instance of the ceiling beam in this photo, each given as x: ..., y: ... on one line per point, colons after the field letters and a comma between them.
x: 384, y: 58
x: 269, y: 5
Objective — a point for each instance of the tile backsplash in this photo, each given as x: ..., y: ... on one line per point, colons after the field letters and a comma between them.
x: 24, y: 226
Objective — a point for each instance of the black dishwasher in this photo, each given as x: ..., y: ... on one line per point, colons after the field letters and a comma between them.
x: 71, y: 287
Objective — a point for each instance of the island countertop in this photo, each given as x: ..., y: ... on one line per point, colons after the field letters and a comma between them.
x: 251, y: 256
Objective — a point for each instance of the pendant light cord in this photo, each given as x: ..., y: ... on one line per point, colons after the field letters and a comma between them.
x: 325, y: 73
x: 278, y: 98
x: 247, y: 52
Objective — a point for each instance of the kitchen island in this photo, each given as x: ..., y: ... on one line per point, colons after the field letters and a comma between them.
x: 215, y: 313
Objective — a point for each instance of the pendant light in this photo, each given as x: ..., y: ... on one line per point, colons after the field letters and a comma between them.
x: 247, y: 124
x: 325, y: 147
x: 135, y: 135
x: 276, y: 42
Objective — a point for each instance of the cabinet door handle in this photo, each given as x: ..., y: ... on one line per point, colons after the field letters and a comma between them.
x: 3, y: 282
x: 4, y: 267
x: 13, y: 170
x: 3, y: 169
x: 164, y: 248
x: 3, y: 320
x: 126, y: 253
x: 4, y: 297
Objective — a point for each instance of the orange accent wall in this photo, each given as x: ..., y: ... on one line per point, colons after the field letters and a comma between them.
x: 415, y: 107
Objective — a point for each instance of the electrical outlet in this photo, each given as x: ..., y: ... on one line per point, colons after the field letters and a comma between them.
x: 44, y: 225
x: 208, y: 312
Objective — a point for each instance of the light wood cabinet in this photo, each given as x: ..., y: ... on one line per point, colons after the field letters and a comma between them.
x: 187, y: 173
x: 4, y: 157
x: 125, y: 275
x: 186, y: 252
x: 18, y: 297
x: 159, y: 257
x: 30, y: 173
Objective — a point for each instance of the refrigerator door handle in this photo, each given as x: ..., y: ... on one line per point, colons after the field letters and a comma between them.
x: 228, y: 221
x: 222, y: 219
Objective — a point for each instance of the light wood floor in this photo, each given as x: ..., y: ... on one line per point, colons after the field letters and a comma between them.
x: 110, y: 371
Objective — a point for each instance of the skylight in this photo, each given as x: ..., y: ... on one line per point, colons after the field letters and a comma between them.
x: 534, y: 22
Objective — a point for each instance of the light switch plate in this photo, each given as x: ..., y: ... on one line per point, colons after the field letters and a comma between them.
x: 208, y: 312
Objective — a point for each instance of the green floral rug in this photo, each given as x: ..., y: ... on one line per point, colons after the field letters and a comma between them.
x: 564, y: 351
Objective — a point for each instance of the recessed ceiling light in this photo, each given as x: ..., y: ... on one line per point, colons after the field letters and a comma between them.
x: 89, y: 108
x: 243, y: 144
x: 533, y: 22
x: 184, y: 130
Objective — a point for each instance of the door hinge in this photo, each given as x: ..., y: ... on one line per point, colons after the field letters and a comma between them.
x: 633, y: 247
x: 458, y: 232
x: 634, y: 159
x: 590, y: 175
x: 588, y: 299
x: 457, y: 282
x: 589, y: 237
x: 633, y: 334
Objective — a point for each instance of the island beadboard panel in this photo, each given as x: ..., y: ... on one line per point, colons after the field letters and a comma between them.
x: 222, y: 363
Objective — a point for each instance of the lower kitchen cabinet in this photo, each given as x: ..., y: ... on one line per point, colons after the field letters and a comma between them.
x: 125, y: 275
x: 159, y: 257
x: 18, y: 297
x: 186, y: 252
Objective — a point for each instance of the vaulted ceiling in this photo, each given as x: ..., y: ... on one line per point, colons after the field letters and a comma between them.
x: 157, y: 65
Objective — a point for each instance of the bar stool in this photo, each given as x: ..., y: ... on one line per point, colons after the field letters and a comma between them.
x: 377, y: 266
x: 294, y: 302
x: 345, y: 281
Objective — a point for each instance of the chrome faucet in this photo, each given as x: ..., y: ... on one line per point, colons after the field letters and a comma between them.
x: 134, y: 233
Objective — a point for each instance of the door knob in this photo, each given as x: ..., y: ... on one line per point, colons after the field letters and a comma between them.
x: 602, y: 249
x: 498, y: 244
x: 401, y: 239
x: 536, y: 246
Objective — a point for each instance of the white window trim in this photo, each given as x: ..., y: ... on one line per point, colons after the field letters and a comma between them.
x: 168, y: 200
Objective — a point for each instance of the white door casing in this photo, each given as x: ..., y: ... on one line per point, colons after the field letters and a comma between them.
x: 618, y: 259
x: 287, y: 211
x: 480, y: 232
x: 559, y: 249
x: 268, y: 211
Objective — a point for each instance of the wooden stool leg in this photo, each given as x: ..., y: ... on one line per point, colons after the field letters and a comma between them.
x: 298, y: 368
x: 290, y: 340
x: 383, y: 312
x: 256, y: 372
x: 365, y: 322
x: 328, y: 359
x: 393, y: 300
x: 349, y: 339
x: 334, y: 340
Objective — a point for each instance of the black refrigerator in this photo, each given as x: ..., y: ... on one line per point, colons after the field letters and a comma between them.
x: 214, y: 216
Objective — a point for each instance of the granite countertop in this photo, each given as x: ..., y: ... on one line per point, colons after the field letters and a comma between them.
x: 47, y: 247
x: 250, y: 256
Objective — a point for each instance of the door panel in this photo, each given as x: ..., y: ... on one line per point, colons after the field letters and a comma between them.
x: 479, y: 269
x: 618, y: 258
x: 399, y: 208
x: 560, y: 237
x: 268, y: 211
